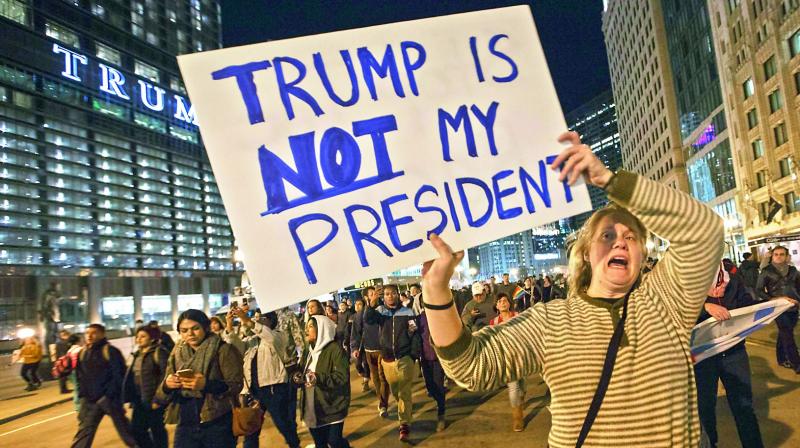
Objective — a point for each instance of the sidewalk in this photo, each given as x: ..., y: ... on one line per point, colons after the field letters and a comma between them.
x: 16, y: 402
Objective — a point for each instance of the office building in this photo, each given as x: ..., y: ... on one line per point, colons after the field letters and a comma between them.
x: 105, y: 188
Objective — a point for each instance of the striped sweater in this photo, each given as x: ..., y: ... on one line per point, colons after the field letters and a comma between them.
x: 651, y: 400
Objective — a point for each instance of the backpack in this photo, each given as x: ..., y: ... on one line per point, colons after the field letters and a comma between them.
x: 63, y: 366
x: 106, y: 353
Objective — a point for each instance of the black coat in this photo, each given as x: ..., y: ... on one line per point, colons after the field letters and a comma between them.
x: 748, y: 272
x: 736, y: 296
x: 154, y: 366
x: 100, y: 372
x: 397, y: 339
x: 772, y: 284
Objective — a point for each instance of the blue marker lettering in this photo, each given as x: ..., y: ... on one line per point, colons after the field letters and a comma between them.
x: 565, y: 182
x: 410, y: 67
x: 473, y: 46
x: 387, y: 66
x: 338, y: 141
x: 376, y: 128
x: 304, y: 253
x: 393, y: 223
x: 359, y: 237
x: 460, y: 182
x: 541, y: 188
x: 462, y: 116
x: 290, y: 88
x: 492, y: 49
x: 274, y: 171
x: 247, y: 86
x: 424, y: 209
x: 452, y: 206
x: 488, y: 123
x: 500, y: 194
x: 319, y: 64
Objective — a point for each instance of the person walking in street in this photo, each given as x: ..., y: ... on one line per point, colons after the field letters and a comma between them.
x: 100, y: 372
x: 400, y: 344
x: 166, y: 339
x: 778, y: 280
x: 732, y: 366
x: 144, y: 375
x: 344, y: 326
x: 370, y: 348
x: 748, y: 273
x: 550, y: 290
x: 516, y: 389
x: 62, y: 347
x: 202, y: 381
x: 356, y: 337
x: 506, y: 287
x: 651, y: 399
x: 266, y: 378
x: 325, y: 397
x: 432, y: 370
x: 31, y: 355
x: 479, y: 311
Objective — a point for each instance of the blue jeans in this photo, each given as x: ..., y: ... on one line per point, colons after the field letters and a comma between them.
x: 733, y: 368
x: 217, y: 433
x: 280, y: 400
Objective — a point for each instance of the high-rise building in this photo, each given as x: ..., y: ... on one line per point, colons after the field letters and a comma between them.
x: 105, y: 188
x: 641, y: 79
x: 506, y: 254
x: 757, y: 44
x: 596, y: 123
x: 704, y: 130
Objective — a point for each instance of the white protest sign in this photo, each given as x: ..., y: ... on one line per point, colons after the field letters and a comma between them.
x: 337, y: 154
x: 712, y: 337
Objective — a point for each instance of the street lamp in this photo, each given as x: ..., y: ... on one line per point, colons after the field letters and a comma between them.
x: 473, y: 271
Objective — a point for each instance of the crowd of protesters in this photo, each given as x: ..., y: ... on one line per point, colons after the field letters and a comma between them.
x: 488, y: 336
x: 297, y: 369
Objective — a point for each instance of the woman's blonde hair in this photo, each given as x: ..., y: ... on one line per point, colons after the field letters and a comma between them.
x: 580, y: 270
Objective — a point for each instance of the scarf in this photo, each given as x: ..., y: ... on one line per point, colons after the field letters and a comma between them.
x: 198, y: 359
x: 782, y: 269
x: 326, y: 331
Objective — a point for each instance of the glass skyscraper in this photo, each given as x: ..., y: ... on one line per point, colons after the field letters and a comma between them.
x: 105, y: 188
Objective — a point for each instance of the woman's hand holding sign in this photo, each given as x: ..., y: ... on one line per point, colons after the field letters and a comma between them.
x: 579, y: 159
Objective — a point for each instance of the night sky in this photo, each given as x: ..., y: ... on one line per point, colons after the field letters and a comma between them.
x: 569, y: 30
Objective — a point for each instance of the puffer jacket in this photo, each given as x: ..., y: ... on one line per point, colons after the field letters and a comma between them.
x: 397, y: 339
x: 772, y: 284
x: 154, y: 365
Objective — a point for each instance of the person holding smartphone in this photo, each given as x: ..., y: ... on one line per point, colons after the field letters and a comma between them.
x: 203, y: 378
x: 479, y: 311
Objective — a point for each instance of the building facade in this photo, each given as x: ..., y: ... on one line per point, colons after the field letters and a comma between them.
x: 641, y: 79
x: 705, y: 141
x: 757, y: 43
x: 105, y: 189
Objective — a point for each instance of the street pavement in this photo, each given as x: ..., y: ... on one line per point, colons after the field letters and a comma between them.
x: 474, y: 419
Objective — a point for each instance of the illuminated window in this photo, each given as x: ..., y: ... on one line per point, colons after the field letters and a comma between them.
x: 146, y: 71
x: 15, y: 10
x: 108, y: 54
x: 62, y: 33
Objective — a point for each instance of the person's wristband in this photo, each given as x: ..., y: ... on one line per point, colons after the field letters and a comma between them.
x: 446, y: 306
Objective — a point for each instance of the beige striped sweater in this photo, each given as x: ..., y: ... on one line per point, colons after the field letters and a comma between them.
x: 651, y: 401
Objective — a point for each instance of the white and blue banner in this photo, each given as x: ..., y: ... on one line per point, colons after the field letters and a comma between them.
x: 337, y: 155
x: 712, y: 337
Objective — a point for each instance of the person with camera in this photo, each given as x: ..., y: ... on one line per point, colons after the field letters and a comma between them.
x: 479, y: 311
x: 400, y: 344
x: 202, y: 382
x: 614, y: 320
x: 325, y: 395
x: 266, y: 378
x: 142, y: 378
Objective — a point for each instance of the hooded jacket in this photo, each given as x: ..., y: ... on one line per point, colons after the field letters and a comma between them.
x: 331, y: 392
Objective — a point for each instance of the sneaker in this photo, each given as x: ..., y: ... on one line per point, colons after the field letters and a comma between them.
x: 365, y: 386
x: 404, y: 433
x: 29, y: 387
x: 383, y: 412
x: 441, y: 424
x: 787, y: 364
